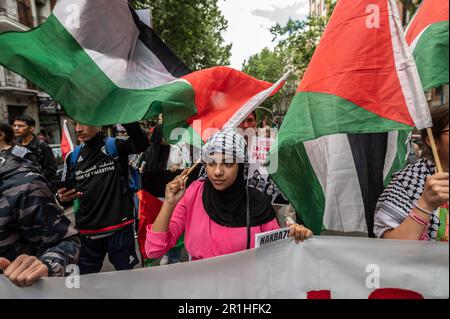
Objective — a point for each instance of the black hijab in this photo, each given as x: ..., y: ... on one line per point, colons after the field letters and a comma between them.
x: 157, y: 154
x: 229, y: 207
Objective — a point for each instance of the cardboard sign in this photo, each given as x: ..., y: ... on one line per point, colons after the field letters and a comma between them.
x: 267, y: 238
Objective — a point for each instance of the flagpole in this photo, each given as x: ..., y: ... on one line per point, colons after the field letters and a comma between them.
x: 193, y: 167
x: 437, y: 160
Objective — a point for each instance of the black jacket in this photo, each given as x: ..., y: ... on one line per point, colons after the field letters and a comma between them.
x: 45, y: 158
x: 31, y: 222
x: 105, y: 206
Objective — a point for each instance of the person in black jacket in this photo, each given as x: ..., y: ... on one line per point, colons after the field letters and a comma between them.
x: 104, y: 216
x: 36, y: 239
x: 24, y: 127
x: 7, y: 144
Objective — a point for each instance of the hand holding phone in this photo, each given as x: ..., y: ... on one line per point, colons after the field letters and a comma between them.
x: 67, y: 195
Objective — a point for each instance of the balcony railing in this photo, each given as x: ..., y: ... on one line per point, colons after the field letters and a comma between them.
x: 14, y: 83
x: 11, y: 80
x: 9, y: 10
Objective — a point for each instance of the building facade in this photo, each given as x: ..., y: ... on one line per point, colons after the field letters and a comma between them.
x: 319, y: 8
x: 17, y: 95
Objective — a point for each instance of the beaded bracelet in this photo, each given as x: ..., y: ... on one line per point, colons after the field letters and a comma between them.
x: 423, y: 210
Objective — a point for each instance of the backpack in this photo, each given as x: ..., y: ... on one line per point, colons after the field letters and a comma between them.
x: 111, y: 149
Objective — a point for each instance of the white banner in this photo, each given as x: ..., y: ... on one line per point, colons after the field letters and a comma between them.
x: 348, y: 267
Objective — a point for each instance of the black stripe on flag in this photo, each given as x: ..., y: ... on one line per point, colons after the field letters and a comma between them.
x: 369, y: 153
x: 154, y: 43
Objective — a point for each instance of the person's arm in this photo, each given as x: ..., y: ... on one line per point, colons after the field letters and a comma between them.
x: 66, y: 195
x: 435, y: 194
x: 171, y: 220
x: 42, y: 222
x: 137, y: 141
x: 174, y: 192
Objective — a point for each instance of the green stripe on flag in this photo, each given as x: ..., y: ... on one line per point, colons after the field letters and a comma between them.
x: 52, y: 59
x: 313, y: 115
x: 299, y: 183
x: 400, y: 160
x: 431, y: 55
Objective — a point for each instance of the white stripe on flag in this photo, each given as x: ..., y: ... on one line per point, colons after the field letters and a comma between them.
x: 391, y: 153
x: 416, y: 40
x: 332, y: 160
x: 252, y: 104
x: 407, y: 72
x: 67, y: 134
x: 105, y: 29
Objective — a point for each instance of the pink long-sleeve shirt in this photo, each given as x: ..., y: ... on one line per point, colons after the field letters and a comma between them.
x: 203, y: 237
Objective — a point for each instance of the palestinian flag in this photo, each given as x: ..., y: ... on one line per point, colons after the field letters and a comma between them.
x: 427, y: 35
x: 224, y: 97
x: 104, y: 66
x: 345, y: 131
x: 66, y: 141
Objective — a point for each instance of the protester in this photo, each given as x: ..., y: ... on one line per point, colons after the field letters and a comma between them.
x: 161, y: 156
x: 415, y: 204
x: 159, y: 162
x: 7, y: 144
x: 24, y: 127
x: 250, y: 122
x: 213, y: 210
x: 41, y: 136
x: 133, y: 167
x: 100, y: 183
x: 36, y: 239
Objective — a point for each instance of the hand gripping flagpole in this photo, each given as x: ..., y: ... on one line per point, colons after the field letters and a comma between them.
x: 193, y: 167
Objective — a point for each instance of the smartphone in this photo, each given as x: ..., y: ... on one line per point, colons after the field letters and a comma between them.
x: 63, y: 184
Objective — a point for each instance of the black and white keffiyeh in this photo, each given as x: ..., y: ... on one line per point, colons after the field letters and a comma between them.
x: 228, y: 142
x: 398, y: 198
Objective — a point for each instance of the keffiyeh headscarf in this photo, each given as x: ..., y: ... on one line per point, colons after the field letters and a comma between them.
x: 227, y: 142
x: 229, y: 207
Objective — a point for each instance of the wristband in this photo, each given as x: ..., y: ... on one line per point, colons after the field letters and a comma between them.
x: 419, y: 220
x: 423, y: 210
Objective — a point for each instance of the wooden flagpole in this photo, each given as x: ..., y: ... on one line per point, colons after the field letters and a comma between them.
x: 437, y: 160
x: 193, y: 167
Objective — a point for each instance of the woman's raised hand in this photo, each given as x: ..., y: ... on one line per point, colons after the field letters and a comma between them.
x: 176, y: 188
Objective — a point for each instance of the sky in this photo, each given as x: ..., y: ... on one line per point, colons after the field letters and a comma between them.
x: 249, y: 22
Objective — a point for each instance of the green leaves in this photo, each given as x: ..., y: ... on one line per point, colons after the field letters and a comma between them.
x: 270, y: 66
x: 296, y: 43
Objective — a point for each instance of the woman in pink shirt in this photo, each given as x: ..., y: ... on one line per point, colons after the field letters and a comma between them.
x: 218, y: 213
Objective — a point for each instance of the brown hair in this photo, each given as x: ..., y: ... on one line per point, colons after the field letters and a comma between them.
x: 439, y: 115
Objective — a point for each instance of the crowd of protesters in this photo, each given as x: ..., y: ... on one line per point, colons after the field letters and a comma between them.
x: 213, y: 211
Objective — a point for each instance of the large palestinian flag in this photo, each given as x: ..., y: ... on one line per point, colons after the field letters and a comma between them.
x: 104, y: 66
x: 345, y: 131
x: 427, y: 35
